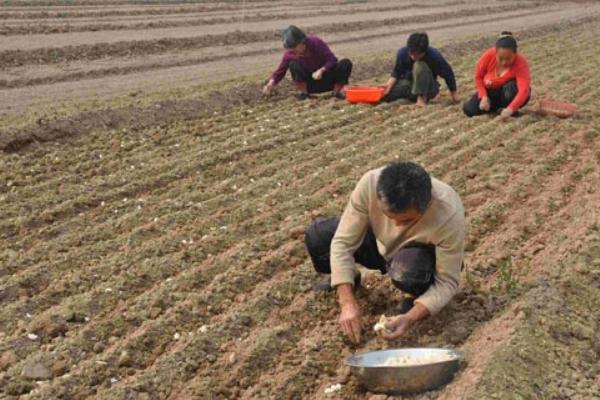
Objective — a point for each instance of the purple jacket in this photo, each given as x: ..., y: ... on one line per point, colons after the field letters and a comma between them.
x: 317, y: 55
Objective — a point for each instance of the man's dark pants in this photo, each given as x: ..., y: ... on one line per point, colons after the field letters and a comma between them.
x: 412, y: 269
x: 338, y: 75
x: 499, y: 98
x: 422, y: 83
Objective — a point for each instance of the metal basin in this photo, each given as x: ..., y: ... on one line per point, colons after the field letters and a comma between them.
x: 419, y: 369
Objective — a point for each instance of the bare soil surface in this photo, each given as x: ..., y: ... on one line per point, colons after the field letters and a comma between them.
x: 104, y: 70
x: 244, y: 32
x: 152, y: 247
x: 75, y: 70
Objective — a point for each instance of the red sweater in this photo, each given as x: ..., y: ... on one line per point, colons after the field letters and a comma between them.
x: 486, y: 78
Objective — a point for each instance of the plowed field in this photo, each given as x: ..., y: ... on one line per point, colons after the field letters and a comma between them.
x: 152, y: 246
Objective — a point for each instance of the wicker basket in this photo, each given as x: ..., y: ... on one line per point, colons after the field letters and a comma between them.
x: 558, y: 108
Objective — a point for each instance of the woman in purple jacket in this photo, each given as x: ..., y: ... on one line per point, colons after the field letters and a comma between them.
x: 313, y: 66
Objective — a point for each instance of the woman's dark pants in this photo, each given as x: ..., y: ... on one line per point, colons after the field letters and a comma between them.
x: 499, y: 98
x: 338, y: 75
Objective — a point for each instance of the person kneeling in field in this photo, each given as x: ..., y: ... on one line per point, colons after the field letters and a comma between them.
x: 502, y: 80
x: 313, y: 66
x: 402, y: 222
x: 415, y: 73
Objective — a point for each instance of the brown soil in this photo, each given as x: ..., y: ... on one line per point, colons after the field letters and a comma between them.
x: 135, y: 117
x: 156, y: 252
x: 114, y: 76
x: 40, y: 27
x: 156, y: 41
x: 211, y: 54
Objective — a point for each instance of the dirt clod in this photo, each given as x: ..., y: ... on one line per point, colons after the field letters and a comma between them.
x: 458, y: 334
x: 582, y: 332
x: 7, y: 360
x: 99, y: 347
x: 297, y: 232
x: 124, y: 359
x: 37, y: 371
x: 60, y: 368
x: 48, y: 326
x: 378, y: 397
x: 19, y: 387
x: 9, y: 293
x: 154, y: 312
x: 73, y: 316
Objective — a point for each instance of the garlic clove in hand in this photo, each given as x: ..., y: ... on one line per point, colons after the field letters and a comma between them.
x: 380, y: 325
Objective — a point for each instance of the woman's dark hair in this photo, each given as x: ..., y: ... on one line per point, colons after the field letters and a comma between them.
x: 417, y: 42
x: 292, y: 37
x: 506, y: 41
x: 403, y: 185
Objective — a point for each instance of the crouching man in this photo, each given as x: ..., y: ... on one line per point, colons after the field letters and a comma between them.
x: 415, y: 73
x: 404, y: 223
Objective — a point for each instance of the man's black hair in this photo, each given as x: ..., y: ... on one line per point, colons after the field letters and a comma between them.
x: 403, y: 185
x: 506, y: 41
x: 417, y: 42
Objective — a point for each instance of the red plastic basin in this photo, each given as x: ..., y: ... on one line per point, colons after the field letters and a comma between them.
x: 364, y: 94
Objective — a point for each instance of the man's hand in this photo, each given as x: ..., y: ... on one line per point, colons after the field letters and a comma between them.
x: 454, y: 96
x: 398, y: 326
x: 268, y: 89
x: 485, y: 104
x: 505, y: 114
x: 350, y: 321
x: 389, y: 85
x: 350, y: 315
x: 318, y: 74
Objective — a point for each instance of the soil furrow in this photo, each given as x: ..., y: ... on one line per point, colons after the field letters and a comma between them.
x: 41, y: 28
x: 52, y: 130
x: 126, y: 305
x: 13, y: 58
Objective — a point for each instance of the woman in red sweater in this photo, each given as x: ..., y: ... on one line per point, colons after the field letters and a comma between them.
x: 502, y: 80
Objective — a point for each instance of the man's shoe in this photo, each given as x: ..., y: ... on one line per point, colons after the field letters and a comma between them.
x: 324, y: 283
